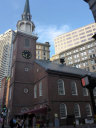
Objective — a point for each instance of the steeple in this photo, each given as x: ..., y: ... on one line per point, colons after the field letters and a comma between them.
x: 26, y: 14
x: 25, y: 25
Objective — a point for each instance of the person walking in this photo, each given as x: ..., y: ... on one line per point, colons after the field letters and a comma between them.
x: 34, y: 122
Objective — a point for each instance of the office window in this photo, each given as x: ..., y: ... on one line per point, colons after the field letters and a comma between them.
x: 61, y: 89
x: 40, y: 89
x: 82, y: 37
x: 93, y: 67
x: 90, y: 34
x: 85, y: 92
x: 88, y: 110
x: 77, y: 110
x: 88, y: 31
x: 35, y: 91
x: 87, y: 69
x: 94, y: 91
x: 82, y: 33
x: 92, y: 61
x: 63, y: 111
x: 87, y: 28
x: 74, y: 88
x: 83, y: 40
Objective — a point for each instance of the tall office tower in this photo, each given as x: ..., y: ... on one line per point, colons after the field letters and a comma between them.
x: 42, y: 51
x: 74, y: 38
x: 92, y: 5
x: 82, y: 56
x: 6, y: 53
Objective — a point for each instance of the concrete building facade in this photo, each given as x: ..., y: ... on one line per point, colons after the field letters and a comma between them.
x: 74, y: 38
x: 6, y: 49
x: 42, y: 51
x: 82, y: 56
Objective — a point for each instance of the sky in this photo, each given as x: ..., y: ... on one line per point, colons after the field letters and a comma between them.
x: 51, y: 17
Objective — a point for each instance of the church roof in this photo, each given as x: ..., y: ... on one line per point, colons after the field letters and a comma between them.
x: 48, y: 65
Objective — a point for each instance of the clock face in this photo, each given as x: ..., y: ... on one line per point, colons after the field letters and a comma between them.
x: 26, y: 54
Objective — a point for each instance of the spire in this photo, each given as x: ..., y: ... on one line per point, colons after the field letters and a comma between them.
x: 26, y: 14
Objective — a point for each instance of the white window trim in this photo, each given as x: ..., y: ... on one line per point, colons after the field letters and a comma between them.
x: 90, y: 110
x: 65, y: 111
x: 63, y: 88
x: 78, y: 111
x: 75, y: 89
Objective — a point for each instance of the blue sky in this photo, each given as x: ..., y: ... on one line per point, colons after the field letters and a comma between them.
x: 51, y: 17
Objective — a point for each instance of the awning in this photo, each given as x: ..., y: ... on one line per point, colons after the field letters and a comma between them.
x: 34, y: 111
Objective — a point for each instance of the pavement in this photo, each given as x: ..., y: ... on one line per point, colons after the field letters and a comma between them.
x: 5, y: 126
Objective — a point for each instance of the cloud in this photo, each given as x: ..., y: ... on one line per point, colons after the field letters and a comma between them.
x: 48, y: 33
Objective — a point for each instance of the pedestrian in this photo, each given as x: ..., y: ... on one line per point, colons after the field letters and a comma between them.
x: 34, y: 122
x: 26, y: 123
x: 11, y: 123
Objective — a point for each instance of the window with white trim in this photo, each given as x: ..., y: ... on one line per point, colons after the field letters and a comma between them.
x: 61, y: 89
x: 77, y: 110
x: 94, y: 91
x: 35, y: 91
x: 63, y: 111
x: 40, y: 89
x: 74, y: 88
x: 88, y: 110
x: 85, y: 92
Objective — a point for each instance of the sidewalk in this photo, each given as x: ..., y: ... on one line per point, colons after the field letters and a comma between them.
x: 5, y: 126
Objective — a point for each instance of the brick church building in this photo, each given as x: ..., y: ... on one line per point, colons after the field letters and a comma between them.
x: 41, y: 87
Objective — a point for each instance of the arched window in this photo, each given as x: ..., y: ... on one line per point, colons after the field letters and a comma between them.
x: 77, y: 110
x: 35, y: 91
x: 88, y: 110
x: 40, y: 89
x: 85, y: 92
x: 74, y: 88
x: 63, y: 111
x: 61, y: 89
x: 94, y: 91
